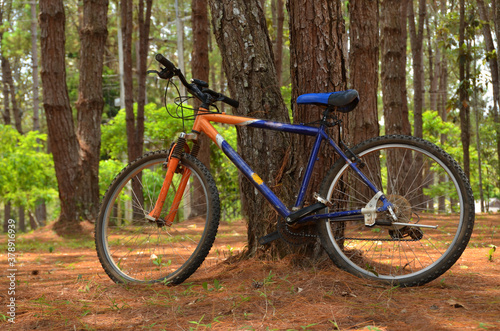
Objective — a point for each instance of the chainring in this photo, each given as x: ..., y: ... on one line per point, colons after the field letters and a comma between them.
x: 295, y: 236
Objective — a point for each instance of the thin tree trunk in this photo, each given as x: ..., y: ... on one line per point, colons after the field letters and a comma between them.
x: 9, y: 82
x: 241, y: 33
x: 278, y: 47
x: 6, y: 97
x: 144, y: 27
x: 416, y: 40
x: 180, y: 43
x: 433, y: 69
x: 34, y: 65
x: 463, y: 94
x: 442, y: 99
x: 494, y: 69
x: 7, y: 213
x: 200, y: 67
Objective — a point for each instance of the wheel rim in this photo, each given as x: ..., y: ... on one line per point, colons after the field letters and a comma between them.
x: 142, y: 251
x: 394, y: 253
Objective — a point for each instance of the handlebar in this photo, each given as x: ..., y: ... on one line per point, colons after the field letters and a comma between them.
x: 198, y: 88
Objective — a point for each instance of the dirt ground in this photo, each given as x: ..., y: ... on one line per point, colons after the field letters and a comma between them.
x: 60, y: 285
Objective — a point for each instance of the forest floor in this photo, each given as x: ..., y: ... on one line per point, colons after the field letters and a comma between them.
x: 60, y: 285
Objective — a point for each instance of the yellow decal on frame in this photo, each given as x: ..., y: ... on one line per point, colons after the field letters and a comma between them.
x: 257, y: 179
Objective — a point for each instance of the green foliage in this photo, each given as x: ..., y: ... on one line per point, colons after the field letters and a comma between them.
x: 226, y: 175
x: 26, y: 172
x: 108, y: 169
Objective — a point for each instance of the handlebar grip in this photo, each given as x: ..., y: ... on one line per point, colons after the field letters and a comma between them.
x: 231, y: 102
x: 166, y: 63
x: 221, y: 97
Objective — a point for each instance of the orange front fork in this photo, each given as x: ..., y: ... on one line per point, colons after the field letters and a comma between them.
x: 173, y: 162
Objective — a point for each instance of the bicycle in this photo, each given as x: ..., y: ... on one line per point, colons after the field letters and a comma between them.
x: 396, y: 209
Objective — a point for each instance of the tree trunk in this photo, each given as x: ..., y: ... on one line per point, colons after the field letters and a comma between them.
x: 463, y: 94
x: 127, y: 25
x: 180, y: 43
x: 40, y: 216
x: 6, y: 96
x: 278, y: 46
x: 62, y: 137
x: 90, y: 103
x: 200, y: 67
x: 433, y: 69
x: 144, y: 27
x: 69, y: 156
x: 7, y: 213
x: 393, y: 76
x: 494, y: 69
x: 393, y: 41
x: 241, y: 33
x: 9, y: 84
x: 416, y: 41
x: 34, y: 65
x: 319, y: 23
x: 363, y: 69
x: 442, y: 98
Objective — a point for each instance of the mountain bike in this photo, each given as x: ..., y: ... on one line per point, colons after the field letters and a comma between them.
x: 396, y: 209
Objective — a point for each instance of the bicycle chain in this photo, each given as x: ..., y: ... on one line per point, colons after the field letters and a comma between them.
x: 373, y: 239
x: 293, y: 238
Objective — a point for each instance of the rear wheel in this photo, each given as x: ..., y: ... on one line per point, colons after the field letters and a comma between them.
x: 426, y: 187
x: 132, y: 248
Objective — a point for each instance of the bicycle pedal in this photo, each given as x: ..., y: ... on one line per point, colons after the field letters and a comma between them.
x: 269, y: 238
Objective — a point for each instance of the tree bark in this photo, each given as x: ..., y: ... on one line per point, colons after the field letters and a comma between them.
x: 463, y: 94
x: 363, y: 69
x: 62, y: 136
x: 200, y: 67
x: 34, y: 65
x: 393, y: 76
x: 433, y: 69
x: 321, y: 68
x: 70, y: 148
x: 442, y: 98
x: 416, y: 41
x: 393, y: 43
x: 7, y: 119
x: 10, y: 89
x: 7, y: 213
x: 278, y: 47
x: 144, y: 17
x: 90, y: 103
x: 494, y: 69
x: 241, y: 33
x: 126, y: 27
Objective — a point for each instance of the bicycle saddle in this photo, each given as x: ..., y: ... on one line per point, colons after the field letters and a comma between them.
x: 345, y: 101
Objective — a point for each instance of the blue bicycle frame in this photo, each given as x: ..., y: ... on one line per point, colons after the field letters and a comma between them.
x: 202, y: 124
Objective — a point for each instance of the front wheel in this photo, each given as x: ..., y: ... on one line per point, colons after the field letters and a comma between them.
x: 134, y: 249
x: 426, y: 187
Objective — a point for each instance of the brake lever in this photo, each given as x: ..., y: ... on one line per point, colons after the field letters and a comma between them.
x: 163, y: 74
